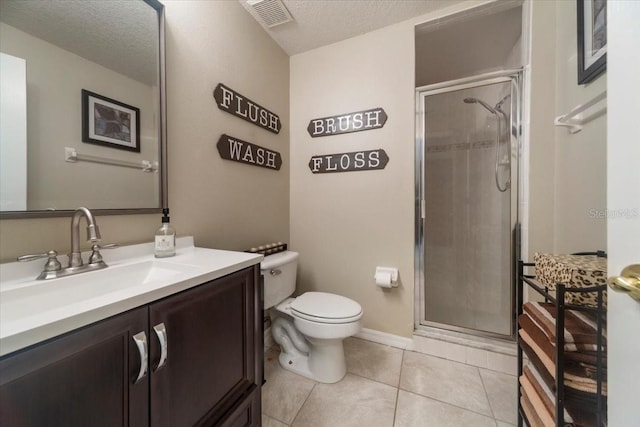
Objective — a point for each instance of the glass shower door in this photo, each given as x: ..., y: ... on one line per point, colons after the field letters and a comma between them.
x: 468, y: 164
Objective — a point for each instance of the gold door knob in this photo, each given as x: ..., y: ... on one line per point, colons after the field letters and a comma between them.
x: 628, y: 282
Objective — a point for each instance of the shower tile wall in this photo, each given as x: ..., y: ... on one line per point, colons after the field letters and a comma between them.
x: 467, y: 226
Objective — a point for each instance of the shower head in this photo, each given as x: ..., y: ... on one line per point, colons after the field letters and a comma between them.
x: 481, y: 102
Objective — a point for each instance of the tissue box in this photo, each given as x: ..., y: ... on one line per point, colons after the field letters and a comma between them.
x: 575, y: 271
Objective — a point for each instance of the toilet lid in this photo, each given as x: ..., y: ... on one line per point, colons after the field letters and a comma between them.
x: 326, y: 308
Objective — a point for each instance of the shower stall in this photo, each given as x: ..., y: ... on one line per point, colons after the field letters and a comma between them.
x: 467, y: 144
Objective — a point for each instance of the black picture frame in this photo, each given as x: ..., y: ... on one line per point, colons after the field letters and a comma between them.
x: 592, y: 39
x: 108, y: 122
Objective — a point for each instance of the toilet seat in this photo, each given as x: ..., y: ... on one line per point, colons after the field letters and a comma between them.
x: 324, y: 307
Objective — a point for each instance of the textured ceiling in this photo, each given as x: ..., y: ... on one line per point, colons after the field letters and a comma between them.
x: 121, y: 35
x: 322, y: 22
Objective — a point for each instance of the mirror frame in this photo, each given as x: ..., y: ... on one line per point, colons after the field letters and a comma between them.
x: 162, y: 133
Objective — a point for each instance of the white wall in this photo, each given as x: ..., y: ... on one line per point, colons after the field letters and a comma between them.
x: 55, y: 78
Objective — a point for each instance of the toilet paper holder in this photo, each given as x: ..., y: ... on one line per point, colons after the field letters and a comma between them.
x: 386, y: 277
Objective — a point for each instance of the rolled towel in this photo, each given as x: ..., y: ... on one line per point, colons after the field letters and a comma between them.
x: 578, y: 327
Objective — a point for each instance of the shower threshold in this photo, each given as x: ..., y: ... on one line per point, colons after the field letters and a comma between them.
x: 497, y: 344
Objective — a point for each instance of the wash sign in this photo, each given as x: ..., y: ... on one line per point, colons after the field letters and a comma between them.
x: 237, y: 150
x: 347, y: 123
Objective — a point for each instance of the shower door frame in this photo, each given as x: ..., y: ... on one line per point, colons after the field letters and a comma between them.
x: 515, y: 76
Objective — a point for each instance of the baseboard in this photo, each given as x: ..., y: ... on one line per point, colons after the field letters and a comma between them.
x: 385, y: 338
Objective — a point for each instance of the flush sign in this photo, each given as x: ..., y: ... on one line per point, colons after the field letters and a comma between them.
x: 240, y: 106
x: 349, y: 162
x: 346, y: 123
x: 235, y: 149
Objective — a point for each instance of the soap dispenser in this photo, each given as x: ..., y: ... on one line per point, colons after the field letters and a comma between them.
x: 165, y: 241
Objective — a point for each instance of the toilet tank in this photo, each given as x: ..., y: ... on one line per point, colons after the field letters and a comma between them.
x: 279, y: 272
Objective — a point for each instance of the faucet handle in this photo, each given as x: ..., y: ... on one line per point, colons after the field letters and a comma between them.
x: 95, y: 256
x: 52, y: 263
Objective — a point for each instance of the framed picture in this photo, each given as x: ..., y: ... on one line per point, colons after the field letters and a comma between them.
x: 108, y: 122
x: 592, y: 39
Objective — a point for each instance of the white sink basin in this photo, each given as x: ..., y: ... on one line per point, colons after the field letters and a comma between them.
x: 35, y: 310
x: 46, y: 295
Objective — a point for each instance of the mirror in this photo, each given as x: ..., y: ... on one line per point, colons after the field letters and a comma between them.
x: 82, y: 107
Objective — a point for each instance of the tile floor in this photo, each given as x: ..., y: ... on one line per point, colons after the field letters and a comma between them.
x: 389, y: 387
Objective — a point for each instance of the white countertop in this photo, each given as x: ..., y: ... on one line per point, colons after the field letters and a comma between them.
x: 32, y: 310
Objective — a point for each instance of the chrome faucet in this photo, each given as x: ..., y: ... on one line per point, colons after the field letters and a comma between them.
x: 53, y: 268
x: 93, y: 235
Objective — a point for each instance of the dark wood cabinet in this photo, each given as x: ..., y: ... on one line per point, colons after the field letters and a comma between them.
x: 248, y: 411
x: 210, y: 374
x: 84, y: 378
x: 211, y: 342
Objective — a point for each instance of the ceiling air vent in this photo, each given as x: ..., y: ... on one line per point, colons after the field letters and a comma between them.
x: 270, y: 12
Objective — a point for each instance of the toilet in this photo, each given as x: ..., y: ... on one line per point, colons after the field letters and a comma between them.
x: 310, y: 328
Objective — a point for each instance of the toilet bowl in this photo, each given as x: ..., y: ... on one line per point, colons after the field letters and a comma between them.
x: 310, y: 328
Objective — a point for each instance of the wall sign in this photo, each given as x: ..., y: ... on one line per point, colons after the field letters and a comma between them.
x: 235, y: 149
x: 349, y: 162
x: 346, y: 123
x: 240, y: 106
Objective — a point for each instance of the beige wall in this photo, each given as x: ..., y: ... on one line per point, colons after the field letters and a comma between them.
x: 30, y: 236
x: 55, y: 78
x: 567, y: 179
x: 343, y: 224
x: 223, y: 204
x: 482, y: 43
x: 539, y: 205
x: 346, y: 224
x: 581, y: 173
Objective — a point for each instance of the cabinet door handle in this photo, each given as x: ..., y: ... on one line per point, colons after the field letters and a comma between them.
x: 141, y: 342
x: 161, y: 332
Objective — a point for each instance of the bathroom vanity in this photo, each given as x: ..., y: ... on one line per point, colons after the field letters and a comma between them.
x: 181, y: 346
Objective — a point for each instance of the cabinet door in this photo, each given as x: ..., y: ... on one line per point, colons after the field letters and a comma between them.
x: 247, y: 413
x: 83, y: 378
x: 210, y: 351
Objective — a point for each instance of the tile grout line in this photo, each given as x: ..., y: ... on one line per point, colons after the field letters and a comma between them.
x: 303, y: 403
x: 486, y: 394
x: 399, y: 387
x: 449, y: 404
x: 277, y: 419
x: 370, y: 379
x: 395, y: 411
x: 477, y: 368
